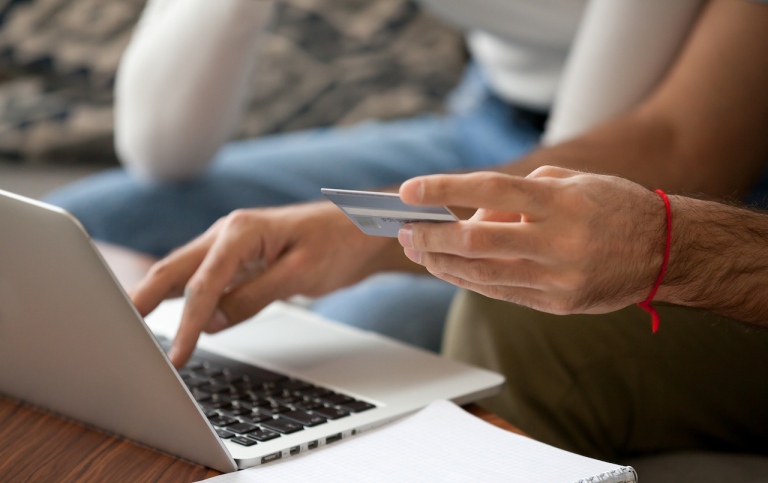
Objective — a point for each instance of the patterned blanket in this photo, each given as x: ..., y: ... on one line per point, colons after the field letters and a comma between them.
x: 325, y: 62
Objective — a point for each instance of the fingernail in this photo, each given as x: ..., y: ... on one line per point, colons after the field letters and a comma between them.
x: 173, y: 355
x: 405, y: 236
x: 218, y: 321
x: 437, y: 274
x: 413, y: 255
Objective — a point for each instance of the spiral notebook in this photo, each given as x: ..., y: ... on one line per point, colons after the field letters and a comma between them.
x: 439, y: 443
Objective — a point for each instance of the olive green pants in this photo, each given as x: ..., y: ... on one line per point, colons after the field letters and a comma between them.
x: 605, y: 386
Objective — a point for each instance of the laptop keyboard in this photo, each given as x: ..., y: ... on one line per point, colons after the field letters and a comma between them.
x: 248, y: 405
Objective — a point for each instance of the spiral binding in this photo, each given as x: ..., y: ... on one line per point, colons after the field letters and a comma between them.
x: 626, y: 474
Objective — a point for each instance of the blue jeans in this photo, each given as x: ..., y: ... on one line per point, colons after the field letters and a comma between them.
x: 155, y: 217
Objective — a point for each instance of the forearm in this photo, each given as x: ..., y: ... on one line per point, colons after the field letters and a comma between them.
x: 718, y: 260
x: 181, y: 83
x: 629, y: 147
x: 702, y: 130
x: 653, y: 151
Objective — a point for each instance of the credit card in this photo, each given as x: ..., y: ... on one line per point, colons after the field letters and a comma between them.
x: 382, y: 214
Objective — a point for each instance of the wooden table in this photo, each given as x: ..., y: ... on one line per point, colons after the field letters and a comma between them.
x: 37, y: 446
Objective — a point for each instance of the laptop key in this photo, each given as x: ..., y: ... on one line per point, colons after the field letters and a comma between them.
x: 257, y: 374
x: 244, y: 382
x: 357, y: 406
x: 242, y: 428
x: 336, y: 399
x: 244, y: 441
x: 272, y: 392
x: 284, y: 426
x: 222, y: 397
x: 254, y: 418
x: 263, y: 435
x: 253, y: 398
x: 304, y: 418
x: 209, y: 413
x: 222, y: 420
x: 330, y: 412
x: 224, y: 434
x: 235, y: 411
x: 200, y: 396
x: 215, y: 388
x: 186, y: 373
x: 215, y: 404
x: 269, y: 408
x: 316, y: 392
x: 296, y: 385
x: 195, y: 381
x: 209, y: 369
x: 288, y: 400
x: 308, y: 405
x: 229, y: 377
x: 245, y: 404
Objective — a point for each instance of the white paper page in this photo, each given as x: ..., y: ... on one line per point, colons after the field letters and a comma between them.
x: 440, y: 443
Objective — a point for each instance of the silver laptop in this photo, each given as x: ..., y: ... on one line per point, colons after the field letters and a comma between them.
x: 283, y: 383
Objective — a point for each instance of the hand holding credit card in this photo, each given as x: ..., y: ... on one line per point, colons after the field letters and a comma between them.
x: 382, y: 214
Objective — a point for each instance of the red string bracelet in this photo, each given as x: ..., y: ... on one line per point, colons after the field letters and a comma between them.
x: 646, y: 304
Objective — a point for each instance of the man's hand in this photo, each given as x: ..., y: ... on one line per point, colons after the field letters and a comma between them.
x: 558, y: 241
x: 252, y: 257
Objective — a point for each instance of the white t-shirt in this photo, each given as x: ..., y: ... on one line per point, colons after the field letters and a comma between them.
x: 521, y: 45
x: 182, y: 81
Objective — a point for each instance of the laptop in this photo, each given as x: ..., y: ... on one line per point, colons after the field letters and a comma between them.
x: 283, y: 383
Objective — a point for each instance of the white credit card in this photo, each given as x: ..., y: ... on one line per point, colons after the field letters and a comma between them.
x: 382, y: 214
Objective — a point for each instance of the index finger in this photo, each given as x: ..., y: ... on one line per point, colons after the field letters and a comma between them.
x: 204, y: 290
x: 489, y: 190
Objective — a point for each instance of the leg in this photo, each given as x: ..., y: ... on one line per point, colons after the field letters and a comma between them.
x: 155, y: 217
x: 605, y: 386
x: 408, y: 307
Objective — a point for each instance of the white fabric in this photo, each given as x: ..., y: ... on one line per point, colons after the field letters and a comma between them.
x: 181, y: 83
x: 623, y: 49
x: 521, y: 45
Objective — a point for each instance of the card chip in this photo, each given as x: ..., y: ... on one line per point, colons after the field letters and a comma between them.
x: 367, y: 222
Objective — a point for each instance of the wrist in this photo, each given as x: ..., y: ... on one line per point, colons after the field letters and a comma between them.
x: 678, y: 265
x: 665, y: 251
x: 701, y: 258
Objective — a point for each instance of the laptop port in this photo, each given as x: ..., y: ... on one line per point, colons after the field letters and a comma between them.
x: 295, y: 450
x: 312, y: 444
x: 271, y: 457
x: 333, y: 439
